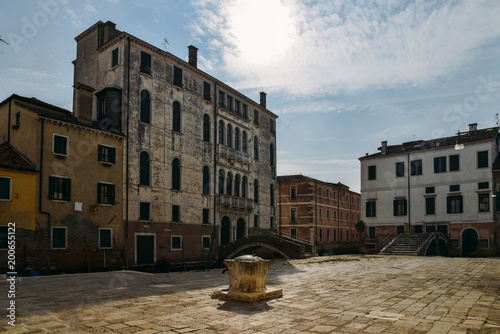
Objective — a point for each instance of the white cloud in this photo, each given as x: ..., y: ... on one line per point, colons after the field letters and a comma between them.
x: 341, y: 47
x: 91, y: 9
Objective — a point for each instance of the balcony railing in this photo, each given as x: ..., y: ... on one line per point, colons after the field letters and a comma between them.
x: 235, y: 202
x: 233, y: 154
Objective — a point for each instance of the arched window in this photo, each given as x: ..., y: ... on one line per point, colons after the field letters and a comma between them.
x: 176, y: 174
x: 145, y: 107
x: 221, y: 182
x: 229, y: 184
x: 229, y: 136
x: 221, y: 132
x: 206, y: 180
x: 206, y: 128
x: 237, y: 139
x: 237, y: 186
x: 256, y: 191
x: 244, y: 184
x: 271, y: 194
x: 255, y: 148
x: 244, y: 141
x: 271, y: 154
x: 144, y: 169
x: 176, y: 117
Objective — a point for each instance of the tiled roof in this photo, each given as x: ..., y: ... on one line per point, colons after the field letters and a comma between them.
x: 10, y: 158
x: 418, y: 145
x: 302, y: 178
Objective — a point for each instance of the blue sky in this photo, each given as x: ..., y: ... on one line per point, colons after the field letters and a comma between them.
x: 341, y: 75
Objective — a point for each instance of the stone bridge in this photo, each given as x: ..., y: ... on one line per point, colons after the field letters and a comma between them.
x: 286, y: 247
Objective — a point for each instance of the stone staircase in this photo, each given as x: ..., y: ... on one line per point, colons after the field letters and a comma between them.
x: 405, y: 244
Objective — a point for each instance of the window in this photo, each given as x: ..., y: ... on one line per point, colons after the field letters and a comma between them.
x: 5, y: 188
x: 416, y: 167
x: 105, y: 238
x: 177, y: 76
x: 271, y: 222
x: 221, y: 182
x: 327, y: 193
x: 430, y: 190
x: 237, y: 109
x: 256, y: 191
x: 271, y: 155
x: 484, y: 243
x: 430, y: 205
x: 320, y: 234
x: 372, y: 172
x: 482, y: 159
x: 244, y: 182
x: 255, y: 117
x: 454, y: 163
x: 255, y: 148
x: 145, y: 63
x: 293, y: 233
x: 60, y: 145
x: 244, y: 142
x: 455, y: 204
x: 206, y: 216
x: 229, y: 184
x: 221, y: 133
x: 145, y: 107
x: 327, y: 213
x: 59, y: 188
x: 205, y: 241
x: 176, y: 174
x: 371, y: 232
x: 176, y: 117
x: 400, y: 169
x: 176, y: 213
x: 371, y: 209
x: 293, y: 215
x: 229, y: 103
x: 206, y: 128
x: 114, y: 58
x: 3, y: 237
x: 454, y: 187
x: 237, y: 139
x: 272, y: 126
x: 18, y: 121
x: 229, y: 137
x: 206, y: 180
x: 484, y: 202
x: 237, y: 186
x: 101, y: 106
x: 293, y: 193
x: 106, y: 154
x: 440, y: 165
x: 144, y: 169
x: 320, y: 192
x: 59, y: 237
x: 400, y: 207
x: 176, y: 242
x: 221, y: 99
x: 320, y: 213
x: 105, y: 193
x: 244, y: 111
x: 144, y: 211
x: 206, y: 91
x: 256, y: 221
x: 483, y: 185
x: 327, y: 235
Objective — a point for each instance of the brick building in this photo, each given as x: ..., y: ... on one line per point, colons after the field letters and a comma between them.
x: 319, y: 213
x: 199, y: 157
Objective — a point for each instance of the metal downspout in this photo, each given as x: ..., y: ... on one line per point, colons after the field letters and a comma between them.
x: 40, y: 196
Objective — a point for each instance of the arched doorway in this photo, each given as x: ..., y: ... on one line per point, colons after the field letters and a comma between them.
x: 240, y: 228
x: 225, y: 228
x: 469, y: 241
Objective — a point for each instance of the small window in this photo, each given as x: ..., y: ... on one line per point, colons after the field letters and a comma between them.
x: 400, y: 169
x: 483, y: 185
x: 244, y: 111
x: 3, y: 237
x: 484, y: 202
x: 440, y: 165
x: 293, y: 193
x: 60, y: 145
x: 320, y: 234
x: 327, y: 213
x: 271, y: 156
x: 18, y: 121
x: 59, y: 237
x: 101, y: 107
x: 256, y: 191
x: 105, y: 238
x: 145, y: 63
x: 144, y: 211
x: 206, y: 216
x: 372, y: 172
x: 114, y: 58
x: 272, y: 126
x: 5, y: 188
x: 371, y: 232
x: 176, y: 174
x: 229, y: 103
x: 430, y: 190
x: 454, y: 204
x: 206, y: 181
x: 320, y: 192
x: 454, y: 163
x: 454, y: 187
x: 293, y: 215
x: 144, y: 169
x: 482, y: 159
x: 222, y: 98
x: 106, y: 154
x: 205, y: 241
x: 416, y: 167
x: 206, y: 91
x: 430, y: 205
x: 177, y: 76
x: 176, y: 242
x: 176, y: 117
x: 255, y: 117
x: 271, y: 222
x: 400, y: 207
x: 206, y: 128
x: 59, y: 188
x: 484, y: 243
x: 176, y: 213
x: 293, y: 233
x: 145, y: 107
x: 256, y: 221
x: 320, y: 213
x: 237, y: 107
x: 105, y: 193
x: 255, y: 148
x: 327, y: 193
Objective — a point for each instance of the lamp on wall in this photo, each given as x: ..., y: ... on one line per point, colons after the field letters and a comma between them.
x: 458, y: 144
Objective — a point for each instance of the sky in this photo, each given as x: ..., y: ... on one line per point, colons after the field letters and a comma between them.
x: 341, y: 75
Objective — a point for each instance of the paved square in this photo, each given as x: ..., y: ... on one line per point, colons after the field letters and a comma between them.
x: 338, y: 294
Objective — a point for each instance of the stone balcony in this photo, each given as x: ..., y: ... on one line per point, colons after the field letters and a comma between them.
x: 235, y: 202
x: 233, y: 154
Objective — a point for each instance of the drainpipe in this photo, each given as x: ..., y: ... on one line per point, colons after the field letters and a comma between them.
x: 214, y: 233
x: 127, y: 155
x: 40, y: 196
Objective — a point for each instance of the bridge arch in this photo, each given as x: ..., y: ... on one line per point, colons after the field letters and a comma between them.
x: 257, y: 244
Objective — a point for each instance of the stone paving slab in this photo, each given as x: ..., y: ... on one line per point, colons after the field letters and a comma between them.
x: 337, y: 294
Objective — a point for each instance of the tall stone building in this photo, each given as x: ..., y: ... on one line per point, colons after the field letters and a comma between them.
x: 199, y: 157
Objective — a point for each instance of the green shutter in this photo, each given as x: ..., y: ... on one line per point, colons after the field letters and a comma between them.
x: 112, y: 153
x: 111, y: 194
x: 99, y: 153
x: 51, y: 187
x: 67, y: 190
x: 99, y: 192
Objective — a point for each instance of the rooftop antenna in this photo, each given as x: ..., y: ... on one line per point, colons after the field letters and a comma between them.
x: 164, y: 44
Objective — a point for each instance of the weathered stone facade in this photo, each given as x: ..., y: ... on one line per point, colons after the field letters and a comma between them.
x: 199, y: 158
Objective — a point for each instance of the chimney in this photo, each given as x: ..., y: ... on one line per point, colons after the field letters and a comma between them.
x: 384, y: 147
x: 193, y: 56
x: 263, y: 100
x: 472, y: 127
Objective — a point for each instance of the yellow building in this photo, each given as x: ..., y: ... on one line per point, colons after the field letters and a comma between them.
x: 76, y: 214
